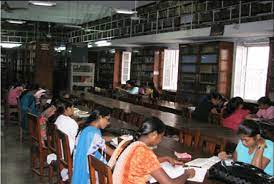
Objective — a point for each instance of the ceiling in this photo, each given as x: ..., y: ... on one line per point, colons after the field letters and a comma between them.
x: 69, y: 12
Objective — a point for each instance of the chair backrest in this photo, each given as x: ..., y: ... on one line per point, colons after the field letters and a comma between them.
x: 19, y: 109
x: 64, y: 158
x: 34, y: 130
x: 118, y: 113
x: 190, y: 137
x: 214, y: 118
x: 51, y: 137
x: 104, y: 172
x: 212, y: 145
x: 135, y: 119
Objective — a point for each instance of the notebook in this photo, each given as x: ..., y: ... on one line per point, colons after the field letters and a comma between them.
x: 176, y: 171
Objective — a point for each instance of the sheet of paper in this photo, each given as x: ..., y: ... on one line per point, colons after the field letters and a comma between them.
x: 176, y: 171
x: 204, y: 163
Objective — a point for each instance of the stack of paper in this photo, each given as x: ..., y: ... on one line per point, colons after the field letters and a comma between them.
x: 176, y: 171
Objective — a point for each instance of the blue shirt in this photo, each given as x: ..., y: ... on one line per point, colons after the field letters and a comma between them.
x: 134, y: 91
x: 243, y: 156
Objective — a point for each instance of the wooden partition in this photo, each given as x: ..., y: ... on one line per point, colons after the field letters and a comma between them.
x: 44, y: 64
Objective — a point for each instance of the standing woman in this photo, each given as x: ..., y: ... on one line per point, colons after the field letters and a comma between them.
x: 90, y: 142
x: 137, y: 162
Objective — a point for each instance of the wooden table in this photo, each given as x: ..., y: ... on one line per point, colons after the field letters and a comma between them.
x: 167, y: 147
x: 171, y: 120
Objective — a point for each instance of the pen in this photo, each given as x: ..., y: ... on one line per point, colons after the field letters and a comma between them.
x: 192, y: 166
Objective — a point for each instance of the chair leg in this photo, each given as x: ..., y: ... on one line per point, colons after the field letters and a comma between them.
x: 21, y: 134
x: 41, y: 164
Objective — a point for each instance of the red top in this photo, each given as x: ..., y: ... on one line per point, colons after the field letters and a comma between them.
x: 235, y: 119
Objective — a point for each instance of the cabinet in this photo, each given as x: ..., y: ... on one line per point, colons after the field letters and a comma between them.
x: 82, y: 76
x: 205, y: 67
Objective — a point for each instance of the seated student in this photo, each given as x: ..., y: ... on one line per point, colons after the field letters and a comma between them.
x: 28, y: 105
x: 266, y: 110
x: 252, y: 148
x: 137, y: 162
x: 90, y: 142
x: 14, y: 93
x: 65, y: 123
x: 208, y: 104
x: 131, y: 88
x: 234, y: 113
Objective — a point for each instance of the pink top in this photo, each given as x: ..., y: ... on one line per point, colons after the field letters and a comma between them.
x: 13, y: 94
x: 266, y: 113
x: 234, y: 120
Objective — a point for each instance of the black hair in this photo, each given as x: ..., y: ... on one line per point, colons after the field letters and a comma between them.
x: 264, y: 101
x: 98, y: 112
x: 232, y: 106
x: 150, y: 125
x: 249, y: 128
x: 131, y: 82
x: 62, y: 105
x: 215, y: 95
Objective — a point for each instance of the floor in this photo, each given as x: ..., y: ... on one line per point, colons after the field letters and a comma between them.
x: 15, y: 157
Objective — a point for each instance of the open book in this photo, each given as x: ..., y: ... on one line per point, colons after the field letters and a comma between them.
x: 176, y: 171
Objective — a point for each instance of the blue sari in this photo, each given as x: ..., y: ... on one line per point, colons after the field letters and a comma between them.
x: 88, y: 142
x: 27, y: 104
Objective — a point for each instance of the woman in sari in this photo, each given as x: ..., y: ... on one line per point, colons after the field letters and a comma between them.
x: 90, y: 142
x: 138, y: 162
x: 27, y: 105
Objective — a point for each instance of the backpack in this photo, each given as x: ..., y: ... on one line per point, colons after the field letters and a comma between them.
x: 239, y: 173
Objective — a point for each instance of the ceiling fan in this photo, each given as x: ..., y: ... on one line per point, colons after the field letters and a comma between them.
x: 6, y: 7
x: 135, y: 14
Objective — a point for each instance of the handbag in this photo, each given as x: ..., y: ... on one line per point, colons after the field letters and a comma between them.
x: 239, y: 173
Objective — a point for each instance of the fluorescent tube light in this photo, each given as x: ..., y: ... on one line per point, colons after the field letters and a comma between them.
x: 104, y: 44
x: 89, y: 45
x: 42, y: 3
x: 130, y: 12
x: 10, y: 45
x: 59, y: 49
x: 101, y: 42
x: 72, y: 26
x: 16, y: 21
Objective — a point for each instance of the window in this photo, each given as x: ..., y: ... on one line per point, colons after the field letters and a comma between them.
x: 250, y: 73
x: 126, y: 60
x: 170, y: 70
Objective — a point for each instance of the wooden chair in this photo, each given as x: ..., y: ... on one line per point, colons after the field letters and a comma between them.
x: 9, y: 109
x: 64, y: 158
x: 135, y: 119
x: 118, y: 113
x: 214, y: 118
x: 104, y: 172
x: 37, y: 149
x: 189, y: 137
x: 212, y: 145
x: 20, y: 120
x: 51, y: 144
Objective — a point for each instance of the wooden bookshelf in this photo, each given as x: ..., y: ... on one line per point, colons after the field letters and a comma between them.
x: 142, y: 65
x: 105, y: 68
x: 205, y: 67
x: 270, y: 76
